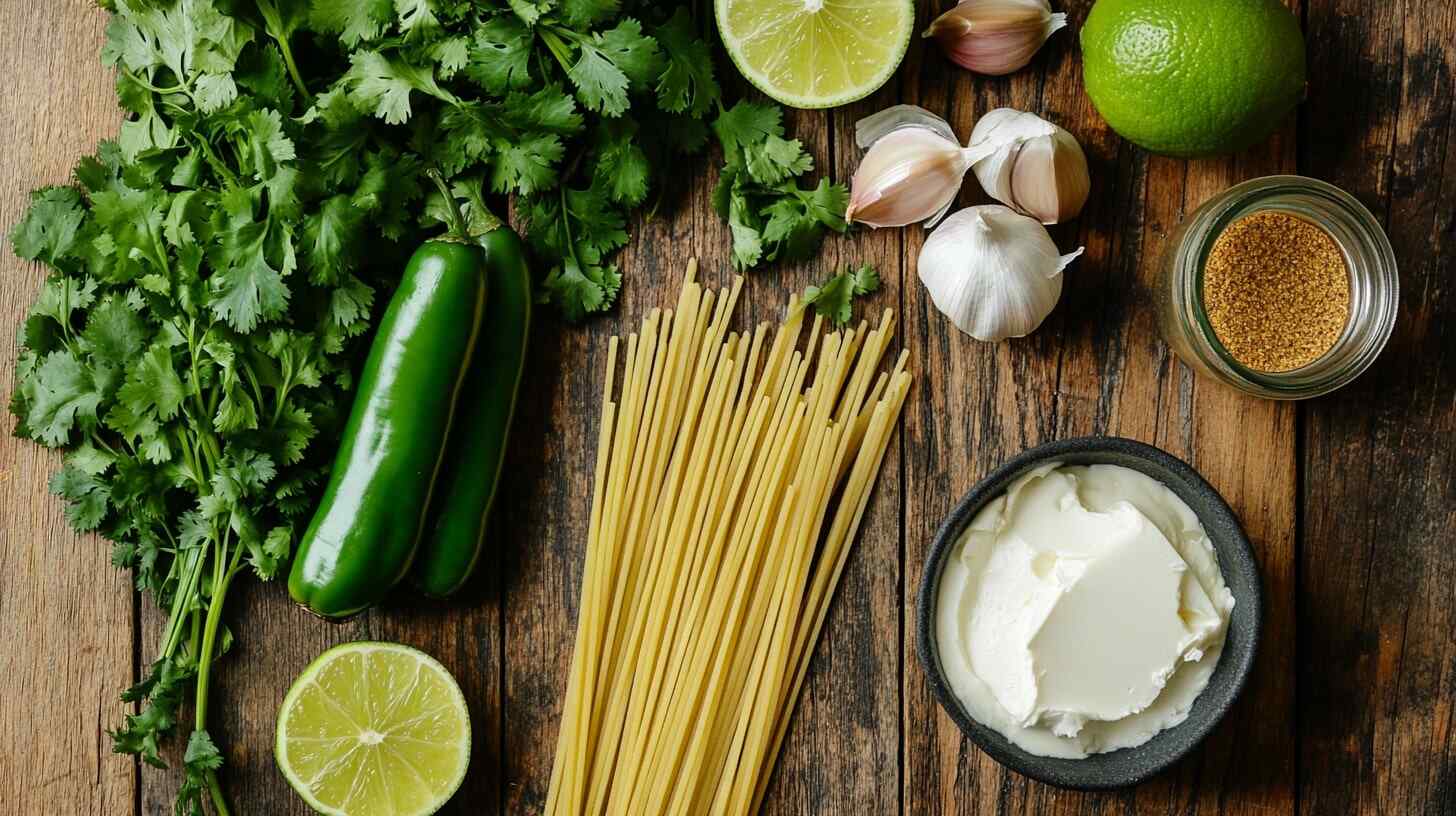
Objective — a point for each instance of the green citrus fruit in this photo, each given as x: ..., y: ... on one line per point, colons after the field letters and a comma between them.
x: 374, y: 728
x: 816, y: 53
x: 1193, y: 77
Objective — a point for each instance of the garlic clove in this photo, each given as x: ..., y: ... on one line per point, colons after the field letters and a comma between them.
x: 874, y: 127
x: 994, y: 272
x: 995, y: 37
x: 1049, y: 178
x: 909, y: 174
x: 1030, y: 164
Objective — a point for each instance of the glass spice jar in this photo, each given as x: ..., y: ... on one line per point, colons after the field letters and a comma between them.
x: 1369, y: 262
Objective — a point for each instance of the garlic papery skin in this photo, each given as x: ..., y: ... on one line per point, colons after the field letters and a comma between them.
x: 993, y: 271
x: 995, y: 37
x: 911, y: 171
x: 1030, y: 165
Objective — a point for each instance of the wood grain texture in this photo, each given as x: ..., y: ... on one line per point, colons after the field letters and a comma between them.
x: 65, y: 615
x: 1377, y: 601
x: 1349, y: 499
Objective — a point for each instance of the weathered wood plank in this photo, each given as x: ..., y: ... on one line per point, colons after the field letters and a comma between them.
x: 1098, y: 367
x: 66, y: 637
x: 1377, y: 612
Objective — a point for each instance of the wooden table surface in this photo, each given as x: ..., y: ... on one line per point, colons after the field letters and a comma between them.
x: 1350, y: 499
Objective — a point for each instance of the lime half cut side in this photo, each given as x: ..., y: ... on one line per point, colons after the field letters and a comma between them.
x: 374, y: 728
x: 816, y: 53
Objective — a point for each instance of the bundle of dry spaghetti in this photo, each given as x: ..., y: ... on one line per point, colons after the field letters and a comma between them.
x: 732, y: 473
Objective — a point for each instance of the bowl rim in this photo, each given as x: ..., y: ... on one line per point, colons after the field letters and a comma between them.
x: 1211, y: 705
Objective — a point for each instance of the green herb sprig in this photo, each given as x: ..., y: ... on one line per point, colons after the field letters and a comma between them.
x: 833, y: 299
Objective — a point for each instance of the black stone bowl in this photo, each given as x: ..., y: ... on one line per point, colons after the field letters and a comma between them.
x: 1127, y: 766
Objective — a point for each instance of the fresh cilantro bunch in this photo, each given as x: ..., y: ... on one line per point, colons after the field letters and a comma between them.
x: 191, y: 347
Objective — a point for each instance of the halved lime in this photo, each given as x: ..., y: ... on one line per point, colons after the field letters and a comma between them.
x: 374, y: 728
x: 816, y: 53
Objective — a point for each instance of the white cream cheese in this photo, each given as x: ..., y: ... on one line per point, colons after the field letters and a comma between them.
x: 1081, y: 612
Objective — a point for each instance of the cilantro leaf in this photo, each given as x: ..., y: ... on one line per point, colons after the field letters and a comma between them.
x: 833, y: 298
x: 267, y: 143
x: 201, y: 753
x: 582, y: 289
x: 587, y: 13
x: 549, y: 109
x: 353, y: 20
x: 415, y: 16
x: 529, y: 11
x: 621, y: 165
x: 452, y: 53
x: 686, y: 84
x: 48, y: 230
x: 744, y: 126
x: 248, y: 289
x: 86, y: 496
x: 500, y: 55
x: 59, y: 393
x: 153, y: 385
x: 612, y: 61
x: 114, y: 332
x: 527, y: 164
x: 382, y: 84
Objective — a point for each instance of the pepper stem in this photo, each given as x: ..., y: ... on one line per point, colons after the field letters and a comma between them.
x: 456, y: 219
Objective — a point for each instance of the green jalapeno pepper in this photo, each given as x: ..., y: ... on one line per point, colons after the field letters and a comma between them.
x: 455, y: 531
x: 363, y: 536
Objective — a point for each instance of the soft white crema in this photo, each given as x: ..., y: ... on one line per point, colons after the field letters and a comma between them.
x: 1081, y: 612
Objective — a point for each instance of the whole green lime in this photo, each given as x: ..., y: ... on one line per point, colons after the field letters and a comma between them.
x: 1188, y: 78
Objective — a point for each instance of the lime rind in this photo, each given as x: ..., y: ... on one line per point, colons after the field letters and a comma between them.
x: 435, y: 792
x: 816, y: 53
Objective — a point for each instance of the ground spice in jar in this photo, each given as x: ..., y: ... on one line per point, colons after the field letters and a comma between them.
x: 1276, y: 291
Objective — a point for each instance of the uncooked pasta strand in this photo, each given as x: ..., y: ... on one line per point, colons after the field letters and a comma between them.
x: 732, y: 474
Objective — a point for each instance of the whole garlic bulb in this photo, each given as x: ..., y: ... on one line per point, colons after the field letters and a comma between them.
x: 994, y: 272
x: 1030, y: 165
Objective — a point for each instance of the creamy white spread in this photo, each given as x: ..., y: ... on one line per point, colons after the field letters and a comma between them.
x: 1082, y: 611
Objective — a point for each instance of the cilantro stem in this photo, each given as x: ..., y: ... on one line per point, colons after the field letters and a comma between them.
x: 214, y: 791
x: 181, y: 600
x: 558, y: 48
x: 192, y: 352
x: 292, y: 67
x: 217, y: 164
x: 566, y: 227
x: 97, y: 440
x: 293, y: 71
x: 222, y: 580
x: 153, y: 88
x: 273, y: 22
x: 222, y: 576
